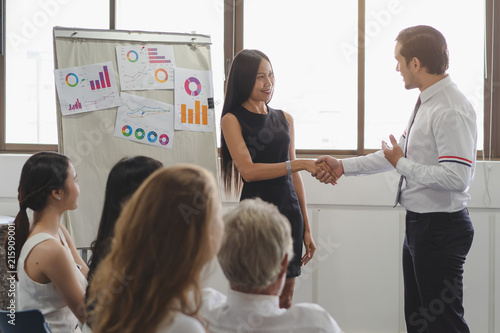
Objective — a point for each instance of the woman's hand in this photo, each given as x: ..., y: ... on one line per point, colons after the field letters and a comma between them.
x: 310, y: 247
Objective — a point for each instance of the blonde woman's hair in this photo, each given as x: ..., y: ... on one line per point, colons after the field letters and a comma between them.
x: 161, y: 243
x: 256, y: 239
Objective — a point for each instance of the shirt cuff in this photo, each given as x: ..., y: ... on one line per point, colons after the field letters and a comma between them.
x: 404, y: 166
x: 350, y: 166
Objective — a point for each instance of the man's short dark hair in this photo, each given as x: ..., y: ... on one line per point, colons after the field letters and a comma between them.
x: 427, y: 45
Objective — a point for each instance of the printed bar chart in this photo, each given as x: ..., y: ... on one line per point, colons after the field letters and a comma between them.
x: 103, y: 81
x: 198, y: 116
x: 75, y: 106
x: 154, y: 58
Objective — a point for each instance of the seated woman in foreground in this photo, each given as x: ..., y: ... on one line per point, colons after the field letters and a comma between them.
x: 254, y: 256
x: 51, y: 273
x: 123, y: 180
x: 166, y: 233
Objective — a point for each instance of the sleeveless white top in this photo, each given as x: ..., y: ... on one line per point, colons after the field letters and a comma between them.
x: 45, y: 297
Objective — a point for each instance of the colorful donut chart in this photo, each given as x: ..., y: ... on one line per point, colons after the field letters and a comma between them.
x: 152, y: 136
x: 158, y: 79
x: 198, y: 86
x: 126, y: 130
x: 136, y: 56
x: 164, y: 139
x: 140, y: 134
x: 67, y: 81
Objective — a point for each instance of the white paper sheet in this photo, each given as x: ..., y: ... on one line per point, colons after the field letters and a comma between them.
x: 146, y: 67
x: 86, y: 88
x: 193, y: 111
x: 145, y: 121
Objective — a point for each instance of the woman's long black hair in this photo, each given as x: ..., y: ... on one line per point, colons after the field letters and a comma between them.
x: 124, y: 178
x: 41, y: 174
x: 239, y: 86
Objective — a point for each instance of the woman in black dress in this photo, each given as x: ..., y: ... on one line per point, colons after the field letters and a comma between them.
x: 257, y: 143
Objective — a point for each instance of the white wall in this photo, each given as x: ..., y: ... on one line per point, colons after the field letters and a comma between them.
x: 356, y: 272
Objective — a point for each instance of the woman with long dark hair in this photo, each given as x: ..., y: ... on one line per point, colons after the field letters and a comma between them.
x: 258, y: 149
x: 51, y: 274
x: 123, y: 179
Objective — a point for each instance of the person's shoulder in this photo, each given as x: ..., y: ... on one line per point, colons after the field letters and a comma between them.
x: 281, y: 113
x: 212, y: 294
x: 234, y: 112
x: 49, y: 249
x: 212, y: 299
x: 181, y: 323
x: 229, y: 118
x: 317, y: 314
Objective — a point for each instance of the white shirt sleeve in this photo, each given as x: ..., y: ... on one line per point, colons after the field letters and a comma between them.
x: 454, y: 135
x: 369, y: 164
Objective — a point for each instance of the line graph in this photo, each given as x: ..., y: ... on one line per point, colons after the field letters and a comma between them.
x: 144, y: 111
x: 132, y: 78
x: 102, y: 99
x: 151, y: 121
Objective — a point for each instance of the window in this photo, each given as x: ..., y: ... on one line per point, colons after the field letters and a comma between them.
x: 316, y: 81
x: 333, y: 60
x: 388, y: 104
x: 29, y: 63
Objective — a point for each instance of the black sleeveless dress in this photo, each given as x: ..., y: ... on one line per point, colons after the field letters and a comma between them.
x: 267, y: 138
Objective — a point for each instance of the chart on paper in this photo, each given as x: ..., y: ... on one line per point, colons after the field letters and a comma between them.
x: 193, y: 96
x: 86, y: 88
x: 146, y: 67
x: 145, y: 121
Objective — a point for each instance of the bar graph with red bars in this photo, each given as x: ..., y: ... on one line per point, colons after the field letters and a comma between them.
x: 103, y: 81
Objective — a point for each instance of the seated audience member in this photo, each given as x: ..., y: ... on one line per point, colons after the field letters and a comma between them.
x: 124, y: 178
x: 51, y: 274
x: 168, y: 230
x: 254, y: 255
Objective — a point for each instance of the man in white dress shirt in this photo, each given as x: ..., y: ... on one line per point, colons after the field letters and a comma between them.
x: 435, y: 157
x: 254, y: 256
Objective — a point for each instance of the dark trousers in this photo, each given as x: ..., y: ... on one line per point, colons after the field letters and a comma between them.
x: 434, y: 252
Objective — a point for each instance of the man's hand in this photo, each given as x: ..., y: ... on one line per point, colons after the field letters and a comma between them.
x: 333, y: 163
x: 392, y: 154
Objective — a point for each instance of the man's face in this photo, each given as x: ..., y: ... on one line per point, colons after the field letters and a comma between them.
x: 408, y: 76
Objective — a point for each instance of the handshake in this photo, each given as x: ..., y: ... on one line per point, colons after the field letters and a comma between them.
x: 326, y: 169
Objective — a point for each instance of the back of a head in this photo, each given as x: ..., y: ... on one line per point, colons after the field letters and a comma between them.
x: 161, y: 243
x: 427, y: 45
x: 256, y: 240
x: 123, y: 180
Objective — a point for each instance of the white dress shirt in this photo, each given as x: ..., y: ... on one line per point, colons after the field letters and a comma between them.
x: 242, y: 312
x: 441, y: 153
